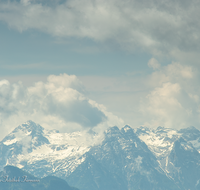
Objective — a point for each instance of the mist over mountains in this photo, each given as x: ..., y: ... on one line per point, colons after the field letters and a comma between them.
x: 122, y: 159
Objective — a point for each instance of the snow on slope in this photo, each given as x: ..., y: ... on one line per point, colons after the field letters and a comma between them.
x: 30, y: 145
x: 43, y: 152
x: 163, y: 143
x: 159, y: 141
x: 121, y: 162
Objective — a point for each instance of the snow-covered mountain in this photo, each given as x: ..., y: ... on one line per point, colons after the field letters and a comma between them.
x: 121, y: 162
x: 177, y: 152
x: 160, y: 159
x: 42, y: 152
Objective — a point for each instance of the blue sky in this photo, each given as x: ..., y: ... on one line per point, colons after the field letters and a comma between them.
x: 29, y: 52
x: 138, y: 60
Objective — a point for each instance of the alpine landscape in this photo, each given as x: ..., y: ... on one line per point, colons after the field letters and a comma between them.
x: 99, y: 95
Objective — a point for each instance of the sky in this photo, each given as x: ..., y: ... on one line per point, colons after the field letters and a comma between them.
x: 90, y: 64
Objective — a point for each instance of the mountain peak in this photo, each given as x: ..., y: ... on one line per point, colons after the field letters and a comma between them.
x: 159, y: 128
x: 29, y: 126
x: 190, y: 133
x: 142, y: 130
x: 128, y: 131
x: 189, y: 129
x: 28, y: 130
x: 30, y: 122
x: 126, y: 128
x: 112, y: 130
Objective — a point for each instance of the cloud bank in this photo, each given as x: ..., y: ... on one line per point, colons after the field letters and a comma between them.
x: 158, y: 27
x: 59, y: 103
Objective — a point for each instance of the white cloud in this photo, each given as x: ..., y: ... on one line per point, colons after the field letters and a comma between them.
x: 194, y: 97
x: 163, y: 106
x: 59, y: 103
x: 24, y: 140
x: 169, y: 96
x: 173, y: 100
x: 25, y: 2
x: 153, y: 26
x: 176, y: 69
x: 153, y: 63
x: 171, y: 73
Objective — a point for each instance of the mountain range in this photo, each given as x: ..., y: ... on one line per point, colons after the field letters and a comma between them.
x: 120, y: 159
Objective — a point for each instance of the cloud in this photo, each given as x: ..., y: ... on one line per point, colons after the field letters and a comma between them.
x: 153, y: 26
x: 173, y: 100
x: 24, y: 140
x: 171, y: 73
x: 59, y: 103
x: 153, y: 63
x: 9, y: 96
x: 163, y: 105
